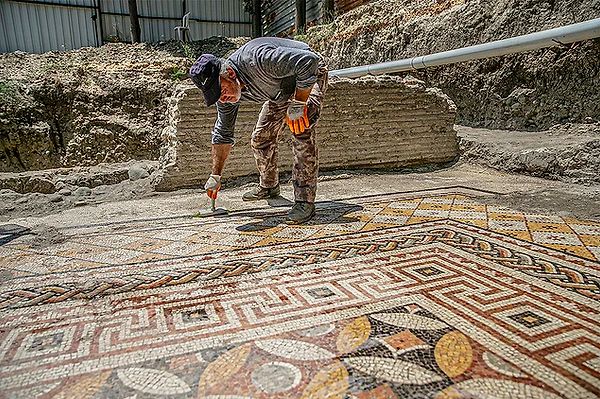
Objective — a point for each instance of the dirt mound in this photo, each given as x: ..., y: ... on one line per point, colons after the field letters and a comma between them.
x: 569, y: 152
x: 530, y: 91
x: 92, y: 105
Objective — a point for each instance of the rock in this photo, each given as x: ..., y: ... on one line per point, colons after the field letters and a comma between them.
x: 570, y: 153
x: 65, y: 192
x: 104, y: 176
x: 539, y: 161
x: 12, y: 182
x: 37, y: 184
x: 55, y: 198
x: 8, y: 192
x: 136, y: 172
x: 8, y: 207
x: 83, y: 181
x: 82, y: 192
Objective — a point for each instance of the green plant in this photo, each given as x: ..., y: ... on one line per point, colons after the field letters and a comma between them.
x: 301, y: 38
x: 5, y: 88
x: 188, y: 51
x: 8, y: 93
x: 12, y: 98
x: 48, y: 67
x: 178, y: 73
x: 61, y: 66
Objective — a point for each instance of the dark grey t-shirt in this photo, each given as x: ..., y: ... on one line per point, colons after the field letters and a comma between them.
x: 271, y: 68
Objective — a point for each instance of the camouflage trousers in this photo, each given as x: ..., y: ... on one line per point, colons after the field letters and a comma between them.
x: 306, y: 158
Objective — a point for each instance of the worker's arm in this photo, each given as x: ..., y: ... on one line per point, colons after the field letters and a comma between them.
x: 222, y: 141
x: 302, y: 94
x: 220, y: 152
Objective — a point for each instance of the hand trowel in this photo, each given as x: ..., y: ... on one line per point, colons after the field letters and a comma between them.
x: 213, y: 211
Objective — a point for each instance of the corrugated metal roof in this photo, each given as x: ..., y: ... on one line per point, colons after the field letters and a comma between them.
x: 280, y: 16
x: 68, y: 24
x: 40, y: 27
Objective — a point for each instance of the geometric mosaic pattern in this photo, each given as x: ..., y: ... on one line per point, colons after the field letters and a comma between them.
x: 412, y: 295
x: 97, y: 246
x: 134, y: 249
x: 173, y: 273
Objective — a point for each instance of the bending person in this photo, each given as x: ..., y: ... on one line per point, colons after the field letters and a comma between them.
x: 291, y: 79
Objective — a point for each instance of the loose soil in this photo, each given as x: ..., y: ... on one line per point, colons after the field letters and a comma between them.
x: 92, y: 105
x: 528, y: 91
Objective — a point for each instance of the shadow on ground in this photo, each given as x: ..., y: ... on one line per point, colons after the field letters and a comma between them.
x: 9, y: 232
x: 327, y: 212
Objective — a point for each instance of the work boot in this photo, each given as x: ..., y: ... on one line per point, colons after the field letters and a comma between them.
x: 258, y: 193
x: 301, y: 212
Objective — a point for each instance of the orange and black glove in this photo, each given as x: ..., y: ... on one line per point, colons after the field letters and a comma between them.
x: 297, y: 116
x: 212, y: 186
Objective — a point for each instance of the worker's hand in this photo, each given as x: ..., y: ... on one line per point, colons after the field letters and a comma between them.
x: 297, y: 116
x: 212, y: 186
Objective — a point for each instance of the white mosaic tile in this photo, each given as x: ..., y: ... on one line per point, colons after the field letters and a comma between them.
x: 515, y: 225
x: 468, y: 215
x: 404, y: 205
x: 544, y: 237
x: 390, y: 219
x: 586, y: 229
x: 437, y: 200
x: 595, y: 251
x: 114, y: 240
x: 239, y: 240
x: 114, y: 256
x: 180, y: 248
x: 431, y: 213
x: 295, y: 232
x: 545, y: 219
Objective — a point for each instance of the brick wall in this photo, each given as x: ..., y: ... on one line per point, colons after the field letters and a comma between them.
x: 366, y: 123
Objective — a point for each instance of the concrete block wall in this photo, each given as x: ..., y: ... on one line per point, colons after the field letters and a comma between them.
x: 370, y: 122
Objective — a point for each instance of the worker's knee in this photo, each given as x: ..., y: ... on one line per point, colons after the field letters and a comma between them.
x: 262, y: 138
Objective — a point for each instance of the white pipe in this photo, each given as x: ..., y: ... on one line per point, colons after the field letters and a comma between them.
x: 563, y: 35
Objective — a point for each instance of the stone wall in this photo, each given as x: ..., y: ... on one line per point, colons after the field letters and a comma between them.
x: 366, y: 123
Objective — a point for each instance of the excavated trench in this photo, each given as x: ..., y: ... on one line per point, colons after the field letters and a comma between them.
x: 100, y: 116
x: 62, y: 124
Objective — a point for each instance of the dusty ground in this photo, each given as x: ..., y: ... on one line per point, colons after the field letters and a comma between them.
x: 523, y: 193
x: 569, y: 152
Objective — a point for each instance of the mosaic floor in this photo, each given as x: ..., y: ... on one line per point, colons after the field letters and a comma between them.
x: 432, y: 294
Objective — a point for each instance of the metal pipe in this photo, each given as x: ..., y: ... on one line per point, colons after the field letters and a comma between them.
x: 563, y: 35
x: 95, y: 19
x: 101, y: 22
